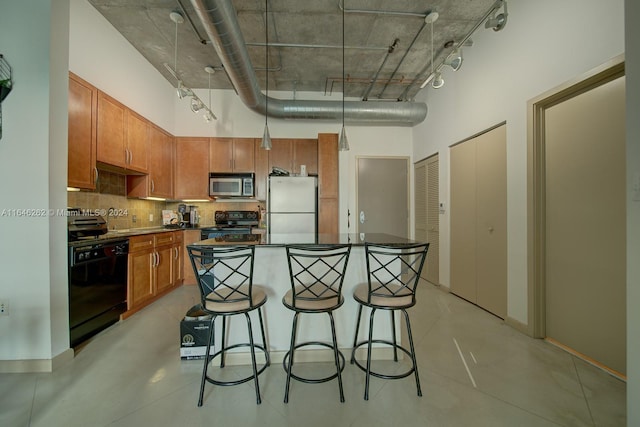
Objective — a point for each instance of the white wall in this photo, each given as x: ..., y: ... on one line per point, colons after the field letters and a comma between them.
x: 544, y: 44
x: 104, y: 58
x: 33, y: 248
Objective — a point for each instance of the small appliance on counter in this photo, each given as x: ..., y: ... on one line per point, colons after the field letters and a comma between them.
x: 188, y: 216
x: 82, y: 224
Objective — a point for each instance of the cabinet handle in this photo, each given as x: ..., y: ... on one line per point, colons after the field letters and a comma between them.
x: 96, y: 178
x: 176, y: 249
x: 153, y: 186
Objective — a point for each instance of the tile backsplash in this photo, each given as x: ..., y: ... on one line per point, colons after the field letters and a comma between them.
x: 110, y: 197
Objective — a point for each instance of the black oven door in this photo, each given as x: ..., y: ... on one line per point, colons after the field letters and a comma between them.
x: 97, y: 288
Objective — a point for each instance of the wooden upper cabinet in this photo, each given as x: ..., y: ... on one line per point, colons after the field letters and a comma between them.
x: 137, y: 141
x: 289, y: 154
x: 111, y: 132
x: 192, y: 168
x: 161, y: 147
x: 122, y: 136
x: 159, y: 181
x: 83, y: 101
x: 231, y: 155
x: 305, y: 152
x: 281, y: 154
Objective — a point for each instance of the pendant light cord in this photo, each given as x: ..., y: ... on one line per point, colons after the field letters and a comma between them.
x: 266, y: 62
x: 343, y: 75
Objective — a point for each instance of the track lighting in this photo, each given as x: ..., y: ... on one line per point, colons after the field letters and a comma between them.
x: 497, y: 22
x: 182, y: 90
x: 196, y: 104
x: 454, y: 60
x: 438, y: 81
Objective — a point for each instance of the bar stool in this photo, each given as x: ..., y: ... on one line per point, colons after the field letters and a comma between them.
x: 393, y: 273
x: 225, y: 280
x: 317, y: 273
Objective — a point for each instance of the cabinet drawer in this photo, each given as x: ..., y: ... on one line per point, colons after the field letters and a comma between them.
x: 164, y: 238
x: 139, y: 243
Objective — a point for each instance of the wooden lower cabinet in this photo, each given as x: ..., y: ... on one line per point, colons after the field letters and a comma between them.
x: 155, y: 267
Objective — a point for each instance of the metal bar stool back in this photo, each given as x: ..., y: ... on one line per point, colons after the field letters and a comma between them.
x: 317, y: 274
x: 393, y: 273
x: 225, y: 280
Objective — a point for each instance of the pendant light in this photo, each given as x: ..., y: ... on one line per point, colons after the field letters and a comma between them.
x: 430, y: 19
x: 266, y: 138
x: 343, y: 142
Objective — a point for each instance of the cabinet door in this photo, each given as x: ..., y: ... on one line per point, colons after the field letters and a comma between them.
x: 178, y: 263
x: 137, y: 131
x: 83, y: 102
x: 281, y: 154
x: 328, y: 214
x: 192, y: 168
x: 243, y: 155
x: 327, y: 165
x: 305, y: 152
x: 164, y: 268
x: 221, y: 155
x: 110, y: 131
x: 140, y: 287
x: 160, y: 163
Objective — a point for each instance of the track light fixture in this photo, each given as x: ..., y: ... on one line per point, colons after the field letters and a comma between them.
x: 497, y: 22
x: 184, y: 91
x: 454, y: 59
x: 438, y: 81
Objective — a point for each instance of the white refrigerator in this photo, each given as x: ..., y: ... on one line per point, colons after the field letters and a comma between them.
x: 292, y: 208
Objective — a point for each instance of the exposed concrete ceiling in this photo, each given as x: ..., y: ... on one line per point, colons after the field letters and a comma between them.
x: 305, y: 39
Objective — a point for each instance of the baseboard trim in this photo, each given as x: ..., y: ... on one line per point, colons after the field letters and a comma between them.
x: 36, y: 365
x: 518, y: 326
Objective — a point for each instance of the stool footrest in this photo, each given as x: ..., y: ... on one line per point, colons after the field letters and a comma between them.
x: 376, y: 374
x: 241, y: 380
x: 285, y: 363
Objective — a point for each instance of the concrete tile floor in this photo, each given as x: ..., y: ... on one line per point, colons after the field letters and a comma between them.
x: 132, y: 375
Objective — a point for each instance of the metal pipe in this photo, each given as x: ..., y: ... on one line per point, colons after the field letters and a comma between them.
x: 220, y: 21
x: 365, y: 97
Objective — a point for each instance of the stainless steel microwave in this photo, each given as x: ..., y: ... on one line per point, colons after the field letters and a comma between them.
x: 231, y: 184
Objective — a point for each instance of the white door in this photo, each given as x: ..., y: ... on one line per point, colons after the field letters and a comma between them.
x: 383, y: 200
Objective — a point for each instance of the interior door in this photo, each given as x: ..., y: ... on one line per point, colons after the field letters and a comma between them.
x: 383, y: 201
x: 585, y: 216
x: 427, y: 214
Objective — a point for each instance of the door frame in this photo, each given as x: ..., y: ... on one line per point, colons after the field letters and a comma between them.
x: 407, y: 159
x: 536, y: 208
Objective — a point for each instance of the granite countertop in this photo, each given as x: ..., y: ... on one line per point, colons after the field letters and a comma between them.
x: 114, y: 235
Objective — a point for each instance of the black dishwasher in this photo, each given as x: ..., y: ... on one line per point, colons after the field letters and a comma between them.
x: 97, y: 287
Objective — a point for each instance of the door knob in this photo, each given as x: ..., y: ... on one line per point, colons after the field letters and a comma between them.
x: 362, y: 219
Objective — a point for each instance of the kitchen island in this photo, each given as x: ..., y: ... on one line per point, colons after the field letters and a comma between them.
x: 271, y: 272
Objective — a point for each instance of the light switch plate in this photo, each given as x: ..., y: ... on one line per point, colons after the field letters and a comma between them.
x: 4, y: 307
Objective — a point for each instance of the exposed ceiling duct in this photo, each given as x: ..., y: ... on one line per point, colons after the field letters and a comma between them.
x: 221, y: 24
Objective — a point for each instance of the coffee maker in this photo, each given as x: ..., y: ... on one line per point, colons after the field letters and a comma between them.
x: 189, y: 215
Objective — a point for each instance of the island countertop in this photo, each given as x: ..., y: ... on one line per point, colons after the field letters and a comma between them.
x: 278, y: 240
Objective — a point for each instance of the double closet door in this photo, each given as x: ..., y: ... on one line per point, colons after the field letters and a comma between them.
x: 479, y: 220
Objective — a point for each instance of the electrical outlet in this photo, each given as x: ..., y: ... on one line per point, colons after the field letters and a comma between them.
x: 134, y: 218
x: 150, y: 217
x: 4, y: 307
